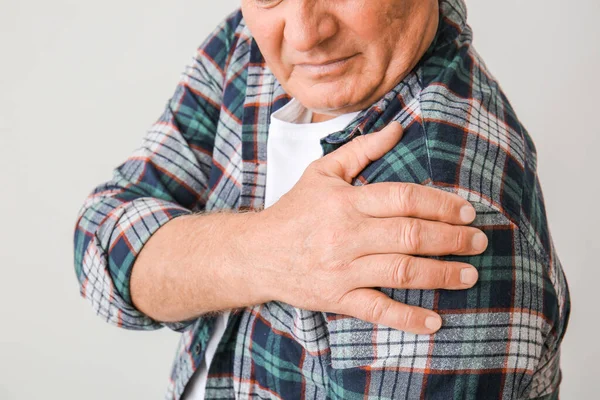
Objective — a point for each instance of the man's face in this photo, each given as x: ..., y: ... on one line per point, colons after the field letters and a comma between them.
x: 338, y: 56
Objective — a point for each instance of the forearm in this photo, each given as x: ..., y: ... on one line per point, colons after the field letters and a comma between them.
x: 194, y: 265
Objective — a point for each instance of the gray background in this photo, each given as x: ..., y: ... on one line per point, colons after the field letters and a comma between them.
x: 80, y: 82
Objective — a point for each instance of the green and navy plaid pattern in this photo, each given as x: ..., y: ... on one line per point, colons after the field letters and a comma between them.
x: 499, y: 340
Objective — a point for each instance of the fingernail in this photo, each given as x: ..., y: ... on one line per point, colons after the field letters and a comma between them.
x: 433, y: 323
x: 468, y: 276
x: 467, y: 213
x: 479, y: 242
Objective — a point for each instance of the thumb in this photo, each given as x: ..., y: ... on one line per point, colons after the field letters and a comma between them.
x: 350, y: 159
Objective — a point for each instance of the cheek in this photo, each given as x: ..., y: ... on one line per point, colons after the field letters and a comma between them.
x: 375, y: 61
x: 267, y: 31
x: 377, y: 33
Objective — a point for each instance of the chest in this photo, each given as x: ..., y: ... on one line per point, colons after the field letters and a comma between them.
x: 239, y: 177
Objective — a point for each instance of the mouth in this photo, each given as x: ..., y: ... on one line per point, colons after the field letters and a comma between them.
x: 329, y: 67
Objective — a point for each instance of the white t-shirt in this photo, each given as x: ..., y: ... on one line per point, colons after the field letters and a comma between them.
x: 292, y: 144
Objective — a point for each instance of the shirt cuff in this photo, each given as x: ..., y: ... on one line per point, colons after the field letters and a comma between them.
x: 110, y: 256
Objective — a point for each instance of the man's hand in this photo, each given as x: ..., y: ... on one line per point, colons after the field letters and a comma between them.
x: 326, y: 244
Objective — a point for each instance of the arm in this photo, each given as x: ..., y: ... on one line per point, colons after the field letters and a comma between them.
x: 166, y: 178
x: 166, y: 281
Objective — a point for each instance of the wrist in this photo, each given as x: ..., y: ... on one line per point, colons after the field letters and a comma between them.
x: 250, y: 252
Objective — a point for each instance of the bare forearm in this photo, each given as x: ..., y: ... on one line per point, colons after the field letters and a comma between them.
x: 195, y: 265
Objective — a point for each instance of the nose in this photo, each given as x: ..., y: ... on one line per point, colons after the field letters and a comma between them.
x: 309, y: 24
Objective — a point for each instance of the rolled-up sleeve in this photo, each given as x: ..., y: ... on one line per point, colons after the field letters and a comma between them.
x: 166, y: 177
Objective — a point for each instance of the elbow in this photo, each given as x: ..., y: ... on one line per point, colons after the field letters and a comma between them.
x: 97, y: 285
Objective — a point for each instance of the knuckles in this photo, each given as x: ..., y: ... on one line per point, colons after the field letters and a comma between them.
x: 404, y: 196
x: 407, y: 317
x: 377, y: 310
x: 402, y: 271
x: 461, y: 243
x: 412, y: 236
x: 447, y: 275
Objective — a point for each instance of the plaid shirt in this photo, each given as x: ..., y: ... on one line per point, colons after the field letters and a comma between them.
x: 499, y: 339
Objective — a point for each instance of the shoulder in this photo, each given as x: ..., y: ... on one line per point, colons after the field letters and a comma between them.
x: 214, y: 66
x: 475, y: 140
x: 215, y: 53
x: 223, y: 38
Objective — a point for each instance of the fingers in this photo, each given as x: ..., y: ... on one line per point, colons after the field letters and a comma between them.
x: 419, y: 237
x: 377, y: 308
x: 350, y: 159
x: 395, y: 199
x: 400, y: 271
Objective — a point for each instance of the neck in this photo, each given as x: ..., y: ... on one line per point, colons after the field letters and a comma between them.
x: 321, y: 117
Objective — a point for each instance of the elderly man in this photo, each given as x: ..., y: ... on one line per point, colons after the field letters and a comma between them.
x: 381, y: 230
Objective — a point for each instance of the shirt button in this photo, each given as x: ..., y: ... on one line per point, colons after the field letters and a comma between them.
x: 197, y: 349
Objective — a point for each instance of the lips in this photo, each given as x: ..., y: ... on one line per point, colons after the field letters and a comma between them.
x: 331, y: 67
x: 323, y: 63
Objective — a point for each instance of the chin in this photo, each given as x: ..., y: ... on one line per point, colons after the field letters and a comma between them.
x: 332, y: 98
